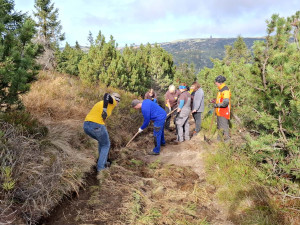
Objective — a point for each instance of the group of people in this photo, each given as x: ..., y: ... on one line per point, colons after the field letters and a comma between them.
x: 179, y: 104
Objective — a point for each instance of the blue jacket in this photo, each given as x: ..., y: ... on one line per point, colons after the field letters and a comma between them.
x: 152, y: 111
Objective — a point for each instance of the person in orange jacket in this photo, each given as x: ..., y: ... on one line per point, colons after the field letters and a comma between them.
x: 222, y: 107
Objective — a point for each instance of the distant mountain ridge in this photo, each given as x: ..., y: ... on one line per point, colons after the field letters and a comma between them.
x: 200, y: 50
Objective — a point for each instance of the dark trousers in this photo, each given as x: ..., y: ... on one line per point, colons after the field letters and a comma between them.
x: 223, y: 126
x: 168, y: 120
x: 197, y: 118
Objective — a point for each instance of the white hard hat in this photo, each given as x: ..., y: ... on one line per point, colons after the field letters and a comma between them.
x: 116, y: 96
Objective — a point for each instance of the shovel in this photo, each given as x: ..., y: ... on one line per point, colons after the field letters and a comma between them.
x: 208, y: 140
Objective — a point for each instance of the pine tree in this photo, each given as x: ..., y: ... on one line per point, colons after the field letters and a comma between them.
x: 17, y: 54
x: 90, y: 39
x: 49, y: 31
x: 185, y: 73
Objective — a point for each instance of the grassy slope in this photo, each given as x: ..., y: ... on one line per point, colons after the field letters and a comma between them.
x: 43, y: 166
x: 55, y: 162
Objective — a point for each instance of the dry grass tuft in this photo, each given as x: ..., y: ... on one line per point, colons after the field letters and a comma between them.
x: 42, y: 171
x: 38, y: 170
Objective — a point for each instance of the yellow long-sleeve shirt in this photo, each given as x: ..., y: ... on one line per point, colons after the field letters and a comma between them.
x: 95, y: 115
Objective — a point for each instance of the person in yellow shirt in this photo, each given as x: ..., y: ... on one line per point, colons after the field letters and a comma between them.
x: 94, y: 126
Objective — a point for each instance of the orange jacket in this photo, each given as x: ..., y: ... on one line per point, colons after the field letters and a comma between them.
x: 223, y: 93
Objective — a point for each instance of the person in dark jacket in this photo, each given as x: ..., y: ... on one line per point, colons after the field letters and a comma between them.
x: 151, y: 94
x: 152, y: 112
x: 197, y: 106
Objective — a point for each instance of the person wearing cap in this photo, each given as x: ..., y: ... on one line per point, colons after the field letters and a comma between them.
x: 152, y: 112
x: 183, y: 112
x: 171, y: 97
x: 151, y: 95
x: 94, y: 126
x: 222, y: 107
x: 197, y: 106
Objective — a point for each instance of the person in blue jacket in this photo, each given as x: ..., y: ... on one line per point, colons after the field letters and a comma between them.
x: 152, y: 112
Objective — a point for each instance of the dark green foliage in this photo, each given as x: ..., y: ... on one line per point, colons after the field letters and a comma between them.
x: 49, y: 27
x: 135, y: 69
x: 68, y: 59
x: 17, y: 53
x: 49, y: 32
x: 185, y: 73
x: 265, y: 95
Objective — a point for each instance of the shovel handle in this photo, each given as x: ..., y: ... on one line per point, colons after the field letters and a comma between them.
x: 132, y: 139
x: 172, y: 112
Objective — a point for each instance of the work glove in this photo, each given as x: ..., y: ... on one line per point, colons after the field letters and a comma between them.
x: 217, y: 105
x: 140, y: 130
x: 104, y: 113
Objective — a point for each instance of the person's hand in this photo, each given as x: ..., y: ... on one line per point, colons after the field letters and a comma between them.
x: 140, y: 130
x: 194, y: 111
x: 178, y: 110
x: 212, y: 101
x: 104, y: 114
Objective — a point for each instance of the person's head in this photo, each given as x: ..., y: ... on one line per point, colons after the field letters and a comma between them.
x: 195, y: 86
x: 116, y: 96
x: 151, y: 92
x: 172, y: 88
x: 220, y: 80
x: 136, y: 104
x: 182, y: 87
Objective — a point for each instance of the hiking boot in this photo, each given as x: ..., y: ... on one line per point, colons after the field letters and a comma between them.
x: 102, y: 174
x: 153, y: 153
x: 176, y: 142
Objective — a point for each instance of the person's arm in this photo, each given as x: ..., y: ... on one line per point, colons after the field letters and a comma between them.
x: 106, y: 99
x: 197, y: 100
x: 146, y: 115
x: 225, y: 102
x: 181, y: 104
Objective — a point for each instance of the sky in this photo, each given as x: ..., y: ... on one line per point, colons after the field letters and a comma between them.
x: 156, y: 21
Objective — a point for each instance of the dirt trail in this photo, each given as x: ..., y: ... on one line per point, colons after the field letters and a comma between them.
x: 110, y: 200
x: 190, y: 154
x: 186, y: 154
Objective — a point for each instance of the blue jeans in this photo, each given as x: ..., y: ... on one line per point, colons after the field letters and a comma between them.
x: 159, y: 136
x: 99, y: 132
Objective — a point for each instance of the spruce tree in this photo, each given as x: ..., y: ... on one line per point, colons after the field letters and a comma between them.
x: 49, y: 31
x: 17, y: 54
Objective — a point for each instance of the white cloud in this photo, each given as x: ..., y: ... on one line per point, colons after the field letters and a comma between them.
x: 141, y: 21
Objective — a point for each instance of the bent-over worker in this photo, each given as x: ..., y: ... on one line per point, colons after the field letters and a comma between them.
x: 152, y: 112
x: 94, y: 125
